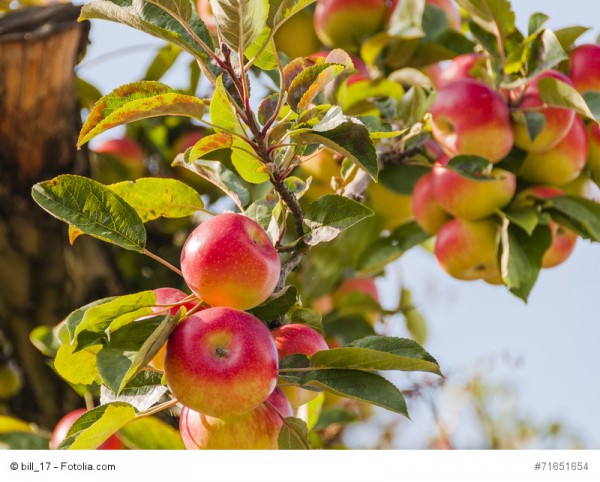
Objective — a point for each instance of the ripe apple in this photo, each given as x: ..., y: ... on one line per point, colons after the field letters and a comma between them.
x: 593, y: 157
x: 117, y: 160
x: 427, y: 211
x: 298, y: 339
x: 365, y: 286
x: 345, y: 24
x: 393, y: 207
x: 298, y: 26
x: 558, y: 121
x: 65, y: 423
x: 206, y: 14
x: 562, y: 164
x: 563, y: 239
x: 256, y: 430
x: 123, y: 148
x: 470, y: 199
x: 468, y: 117
x: 461, y: 67
x: 168, y: 296
x: 229, y: 261
x: 583, y: 187
x: 187, y: 140
x: 467, y: 250
x: 221, y: 362
x: 585, y: 67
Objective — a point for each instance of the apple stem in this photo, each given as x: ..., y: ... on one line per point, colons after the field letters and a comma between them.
x: 162, y: 261
x: 157, y: 408
x: 89, y: 400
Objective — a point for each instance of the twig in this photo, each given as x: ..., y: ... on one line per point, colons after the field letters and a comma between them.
x: 157, y: 408
x: 162, y: 261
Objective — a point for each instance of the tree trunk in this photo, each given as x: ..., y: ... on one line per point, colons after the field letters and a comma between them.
x: 42, y: 278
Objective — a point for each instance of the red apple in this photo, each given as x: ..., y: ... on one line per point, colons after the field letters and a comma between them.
x: 168, y: 296
x: 562, y: 164
x: 187, y: 140
x: 346, y: 24
x: 365, y: 286
x: 558, y: 121
x: 468, y: 117
x: 461, y: 67
x: 298, y: 339
x: 470, y: 199
x: 229, y: 261
x: 585, y: 68
x: 124, y: 148
x: 221, y: 362
x: 467, y: 250
x: 593, y: 157
x: 563, y: 244
x: 256, y: 430
x: 65, y: 423
x: 427, y: 211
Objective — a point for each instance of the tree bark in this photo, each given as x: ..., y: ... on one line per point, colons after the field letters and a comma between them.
x: 42, y: 277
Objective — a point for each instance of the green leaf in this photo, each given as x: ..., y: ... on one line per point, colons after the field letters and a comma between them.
x: 521, y: 257
x: 556, y: 93
x: 543, y: 52
x: 527, y: 218
x: 378, y: 353
x: 472, y: 167
x: 151, y: 433
x: 218, y: 174
x: 385, y: 250
x: 568, y: 35
x: 347, y: 328
x: 583, y: 214
x: 240, y: 22
x: 308, y: 317
x: 281, y: 10
x: 247, y: 163
x: 142, y: 391
x: 535, y: 123
x: 416, y: 325
x: 44, y: 340
x: 165, y: 58
x: 154, y: 197
x: 357, y: 384
x: 77, y: 368
x: 406, y: 20
x: 222, y: 111
x: 277, y: 304
x: 266, y: 213
x: 208, y: 144
x: 23, y: 441
x: 267, y: 108
x: 92, y: 208
x: 310, y: 82
x: 346, y: 136
x: 365, y: 92
x: 152, y: 19
x: 136, y: 101
x: 592, y: 99
x: 536, y: 21
x: 414, y: 105
x: 93, y: 428
x: 331, y: 214
x: 131, y: 348
x: 72, y: 321
x: 293, y: 435
x: 267, y: 58
x: 112, y: 315
x: 335, y: 416
x: 402, y: 178
x: 494, y: 16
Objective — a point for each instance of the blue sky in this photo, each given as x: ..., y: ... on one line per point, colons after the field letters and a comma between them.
x: 556, y: 335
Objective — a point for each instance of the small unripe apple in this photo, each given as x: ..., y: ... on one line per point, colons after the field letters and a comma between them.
x: 257, y: 430
x: 427, y: 211
x: 221, y: 362
x: 558, y: 121
x: 298, y: 339
x: 65, y: 423
x: 593, y: 157
x: 470, y: 199
x: 10, y: 380
x: 468, y: 117
x: 585, y: 68
x: 345, y: 24
x: 393, y: 207
x: 461, y: 67
x: 561, y: 164
x: 297, y: 37
x: 168, y: 296
x: 467, y: 250
x: 229, y: 261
